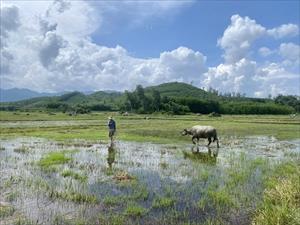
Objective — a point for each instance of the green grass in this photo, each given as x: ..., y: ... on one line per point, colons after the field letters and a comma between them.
x: 135, y: 210
x: 281, y: 201
x: 160, y: 128
x: 220, y: 189
x: 163, y: 202
x: 200, y: 157
x: 53, y: 159
x: 220, y: 198
x: 113, y: 200
x: 112, y: 219
x: 74, y: 175
x: 74, y: 196
x: 6, y: 211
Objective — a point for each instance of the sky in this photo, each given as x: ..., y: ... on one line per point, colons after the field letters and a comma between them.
x: 248, y: 47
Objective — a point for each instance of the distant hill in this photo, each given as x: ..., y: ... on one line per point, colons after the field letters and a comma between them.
x: 97, y: 101
x: 181, y: 96
x: 178, y: 89
x: 28, y: 98
x: 17, y: 94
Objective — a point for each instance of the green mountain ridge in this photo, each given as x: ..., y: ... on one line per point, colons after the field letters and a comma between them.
x: 178, y: 89
x: 175, y: 94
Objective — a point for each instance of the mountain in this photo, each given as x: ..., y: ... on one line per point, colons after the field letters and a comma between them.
x: 17, y: 94
x: 24, y: 98
x: 96, y: 101
x: 182, y: 96
x: 179, y: 89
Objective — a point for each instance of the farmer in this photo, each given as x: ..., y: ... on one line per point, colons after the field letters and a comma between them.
x: 111, y: 128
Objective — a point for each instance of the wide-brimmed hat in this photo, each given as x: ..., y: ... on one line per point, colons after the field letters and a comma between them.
x: 110, y: 117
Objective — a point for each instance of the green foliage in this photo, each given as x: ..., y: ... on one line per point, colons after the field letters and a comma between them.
x: 181, y: 90
x: 73, y: 196
x: 281, y: 203
x: 163, y: 202
x: 175, y: 108
x: 6, y: 210
x: 53, y: 158
x: 135, y: 210
x: 173, y: 98
x: 74, y: 175
x: 231, y: 107
x: 199, y: 106
x: 113, y: 200
x: 288, y: 100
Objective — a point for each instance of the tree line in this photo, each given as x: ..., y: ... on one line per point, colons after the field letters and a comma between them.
x: 151, y: 100
x: 138, y: 101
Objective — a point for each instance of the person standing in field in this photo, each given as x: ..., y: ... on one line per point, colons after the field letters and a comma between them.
x: 111, y: 128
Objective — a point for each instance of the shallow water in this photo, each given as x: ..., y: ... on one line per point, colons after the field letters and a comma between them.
x: 150, y: 171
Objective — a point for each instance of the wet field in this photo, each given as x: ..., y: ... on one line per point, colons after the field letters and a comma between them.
x: 43, y: 181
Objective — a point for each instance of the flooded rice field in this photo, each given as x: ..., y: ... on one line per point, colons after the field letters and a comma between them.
x: 90, y: 182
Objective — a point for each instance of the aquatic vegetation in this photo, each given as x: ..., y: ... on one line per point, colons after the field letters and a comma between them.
x: 143, y: 183
x: 220, y: 198
x: 53, y: 158
x: 6, y: 210
x: 74, y: 175
x: 281, y: 202
x: 112, y: 219
x: 200, y: 156
x: 22, y: 149
x: 24, y: 221
x: 135, y: 210
x: 73, y: 196
x: 163, y: 202
x: 113, y: 200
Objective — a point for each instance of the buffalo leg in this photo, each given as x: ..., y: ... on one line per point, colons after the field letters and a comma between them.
x: 209, y: 141
x: 193, y: 138
x: 216, y: 139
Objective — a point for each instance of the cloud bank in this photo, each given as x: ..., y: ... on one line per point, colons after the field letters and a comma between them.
x: 48, y: 47
x: 240, y: 73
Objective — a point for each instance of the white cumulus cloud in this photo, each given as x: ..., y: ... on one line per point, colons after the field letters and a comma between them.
x: 264, y: 51
x: 51, y: 49
x: 62, y: 57
x: 240, y: 73
x: 285, y: 30
x: 237, y: 77
x: 238, y: 37
x: 290, y: 51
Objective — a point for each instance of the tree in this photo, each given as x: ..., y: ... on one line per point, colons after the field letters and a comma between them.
x: 132, y: 100
x: 156, y: 102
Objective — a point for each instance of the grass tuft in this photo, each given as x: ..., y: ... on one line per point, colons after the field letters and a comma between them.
x: 135, y: 210
x: 6, y: 210
x: 74, y: 175
x: 281, y: 202
x: 52, y: 159
x: 163, y: 202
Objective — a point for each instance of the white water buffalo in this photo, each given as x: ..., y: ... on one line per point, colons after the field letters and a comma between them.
x: 198, y: 132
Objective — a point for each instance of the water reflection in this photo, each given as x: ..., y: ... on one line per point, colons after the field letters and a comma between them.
x: 209, y: 157
x: 111, y: 156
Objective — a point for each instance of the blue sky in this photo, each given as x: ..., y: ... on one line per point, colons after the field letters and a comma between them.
x: 196, y: 26
x: 249, y: 47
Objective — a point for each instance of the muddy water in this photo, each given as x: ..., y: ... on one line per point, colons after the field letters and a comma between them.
x: 135, y: 172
